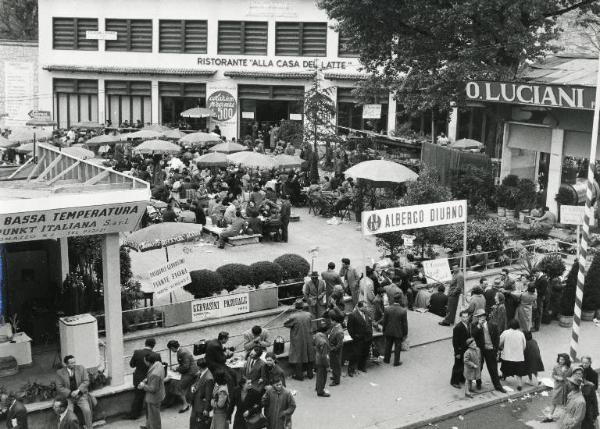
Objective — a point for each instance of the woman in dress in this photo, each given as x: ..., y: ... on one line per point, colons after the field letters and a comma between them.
x: 533, y: 359
x: 512, y: 344
x: 498, y: 315
x: 527, y: 303
x: 560, y: 372
x: 220, y: 402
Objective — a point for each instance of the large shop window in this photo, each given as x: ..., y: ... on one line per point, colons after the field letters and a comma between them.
x: 350, y: 112
x: 75, y: 100
x: 243, y: 37
x: 132, y: 35
x: 70, y: 33
x: 345, y: 46
x: 305, y: 39
x: 128, y: 101
x: 175, y: 97
x: 182, y: 36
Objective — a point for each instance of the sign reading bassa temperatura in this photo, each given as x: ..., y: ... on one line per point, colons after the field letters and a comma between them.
x: 413, y: 217
x: 69, y: 222
x: 220, y: 306
x: 169, y: 277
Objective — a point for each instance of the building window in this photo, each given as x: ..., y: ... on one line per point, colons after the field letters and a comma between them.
x: 182, y: 36
x: 175, y: 97
x: 345, y: 47
x: 305, y: 39
x: 132, y: 35
x: 128, y: 101
x: 243, y: 37
x: 75, y: 100
x: 70, y: 33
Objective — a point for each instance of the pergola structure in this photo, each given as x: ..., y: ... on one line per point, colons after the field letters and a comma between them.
x: 55, y: 196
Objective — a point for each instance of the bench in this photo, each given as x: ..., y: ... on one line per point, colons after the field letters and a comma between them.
x: 238, y: 240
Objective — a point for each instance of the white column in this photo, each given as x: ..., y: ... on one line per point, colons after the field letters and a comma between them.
x: 506, y: 152
x: 64, y: 257
x: 453, y: 125
x: 555, y: 168
x: 102, y: 113
x: 391, y: 119
x: 112, y: 308
x: 155, y: 103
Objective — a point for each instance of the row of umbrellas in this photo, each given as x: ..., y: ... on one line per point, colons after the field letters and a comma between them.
x: 249, y: 159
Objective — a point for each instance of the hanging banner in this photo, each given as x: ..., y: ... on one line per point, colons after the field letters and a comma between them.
x: 169, y: 277
x: 372, y: 111
x: 413, y: 217
x: 437, y: 270
x: 220, y: 306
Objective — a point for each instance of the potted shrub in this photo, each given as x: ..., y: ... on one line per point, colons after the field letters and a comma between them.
x: 552, y: 265
x: 567, y: 300
x: 526, y: 194
x: 511, y: 194
x: 569, y: 170
x: 266, y: 271
x: 566, y: 195
x: 294, y: 267
x: 204, y: 283
x: 235, y: 275
x: 591, y: 290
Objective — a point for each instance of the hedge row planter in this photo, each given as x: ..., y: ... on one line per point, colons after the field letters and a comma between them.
x: 588, y: 315
x: 510, y: 213
x: 501, y: 212
x: 565, y: 321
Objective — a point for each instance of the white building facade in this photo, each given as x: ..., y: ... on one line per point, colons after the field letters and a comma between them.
x: 148, y: 60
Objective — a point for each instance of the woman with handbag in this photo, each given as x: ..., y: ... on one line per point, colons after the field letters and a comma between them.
x: 247, y: 402
x: 220, y: 402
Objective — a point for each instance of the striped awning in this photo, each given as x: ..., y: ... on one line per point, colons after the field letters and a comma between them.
x: 271, y: 74
x: 130, y: 70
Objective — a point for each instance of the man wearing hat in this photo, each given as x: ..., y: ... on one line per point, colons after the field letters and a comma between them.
x: 487, y: 337
x: 314, y: 294
x: 588, y: 390
x: 302, y: 351
x: 575, y: 409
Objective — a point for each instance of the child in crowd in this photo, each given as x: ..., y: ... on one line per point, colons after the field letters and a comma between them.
x: 472, y: 362
x: 560, y: 372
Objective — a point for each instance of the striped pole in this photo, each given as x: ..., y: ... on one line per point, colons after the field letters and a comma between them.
x: 588, y: 215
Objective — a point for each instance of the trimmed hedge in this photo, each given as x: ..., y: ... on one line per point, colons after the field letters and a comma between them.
x: 235, y: 275
x: 293, y: 266
x: 266, y: 271
x: 204, y: 283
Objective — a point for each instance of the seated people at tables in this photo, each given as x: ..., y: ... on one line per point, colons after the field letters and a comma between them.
x: 236, y: 228
x: 256, y: 336
x: 229, y: 214
x: 257, y: 196
x: 478, y: 260
x: 438, y: 302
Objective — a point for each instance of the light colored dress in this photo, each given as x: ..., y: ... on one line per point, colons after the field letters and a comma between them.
x: 524, y: 312
x: 560, y: 392
x: 472, y: 356
x: 220, y: 404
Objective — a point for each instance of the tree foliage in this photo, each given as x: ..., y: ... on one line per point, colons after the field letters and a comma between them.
x: 428, y: 49
x: 19, y: 19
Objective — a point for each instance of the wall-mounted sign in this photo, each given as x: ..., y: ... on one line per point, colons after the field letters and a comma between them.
x: 409, y: 240
x: 437, y: 270
x: 40, y: 115
x: 278, y: 63
x: 372, y: 111
x: 571, y: 215
x: 220, y: 306
x: 70, y: 222
x: 247, y: 115
x: 169, y: 277
x: 295, y: 116
x: 564, y: 96
x: 223, y: 104
x: 101, y: 35
x: 413, y: 217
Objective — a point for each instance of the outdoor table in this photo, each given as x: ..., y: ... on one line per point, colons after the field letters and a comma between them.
x: 19, y: 347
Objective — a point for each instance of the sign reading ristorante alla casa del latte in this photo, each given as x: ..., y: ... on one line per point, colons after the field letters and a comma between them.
x: 563, y: 96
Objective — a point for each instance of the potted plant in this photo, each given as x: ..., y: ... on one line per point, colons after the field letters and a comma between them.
x: 511, y: 195
x: 204, y: 283
x: 526, y: 195
x: 566, y: 196
x: 567, y: 300
x: 569, y: 170
x: 591, y: 290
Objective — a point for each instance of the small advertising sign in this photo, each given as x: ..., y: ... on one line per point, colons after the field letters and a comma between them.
x: 437, y: 270
x: 220, y: 306
x: 169, y: 277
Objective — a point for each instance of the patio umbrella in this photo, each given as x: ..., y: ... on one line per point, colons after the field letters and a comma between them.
x: 103, y: 140
x: 157, y: 146
x: 174, y: 134
x: 252, y: 159
x: 141, y: 134
x: 215, y: 159
x: 466, y: 144
x: 200, y: 139
x: 25, y: 148
x: 228, y: 147
x: 381, y: 171
x: 162, y: 235
x: 78, y: 152
x: 25, y: 134
x: 197, y: 112
x: 6, y: 143
x: 87, y: 125
x: 288, y: 161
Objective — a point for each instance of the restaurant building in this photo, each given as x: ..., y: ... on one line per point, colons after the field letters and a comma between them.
x: 247, y: 60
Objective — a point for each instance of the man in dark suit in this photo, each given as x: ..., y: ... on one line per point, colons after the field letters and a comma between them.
x: 360, y: 328
x: 395, y: 330
x: 141, y: 370
x: 438, y: 302
x: 72, y: 382
x: 216, y: 355
x: 285, y: 213
x: 460, y: 334
x: 201, y: 394
x: 66, y: 418
x: 487, y: 338
x: 254, y: 365
x: 541, y: 287
x: 16, y: 414
x: 457, y: 287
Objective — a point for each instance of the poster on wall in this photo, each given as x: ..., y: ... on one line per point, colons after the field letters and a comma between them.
x: 222, y: 100
x: 220, y: 306
x: 18, y: 92
x: 372, y: 111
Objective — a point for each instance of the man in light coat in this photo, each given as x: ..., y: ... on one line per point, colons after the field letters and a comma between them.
x: 302, y: 351
x: 314, y: 295
x: 395, y: 330
x: 154, y: 386
x: 73, y: 383
x: 351, y: 278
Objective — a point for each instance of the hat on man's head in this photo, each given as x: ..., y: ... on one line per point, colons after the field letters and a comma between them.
x: 479, y: 312
x: 575, y: 380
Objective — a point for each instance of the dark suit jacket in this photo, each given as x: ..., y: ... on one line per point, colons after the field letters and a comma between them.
x: 460, y: 333
x: 63, y: 385
x: 187, y: 364
x: 360, y: 328
x: 477, y: 334
x: 590, y: 375
x: 254, y: 372
x: 215, y: 355
x: 203, y: 390
x: 395, y: 321
x: 70, y: 421
x: 438, y: 303
x: 137, y: 362
x: 490, y: 299
x: 19, y: 412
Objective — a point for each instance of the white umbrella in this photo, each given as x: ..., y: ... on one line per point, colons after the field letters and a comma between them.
x: 157, y: 127
x: 214, y: 159
x: 142, y: 134
x: 89, y: 125
x: 103, y: 140
x: 173, y: 134
x: 466, y: 144
x: 197, y: 112
x: 25, y: 134
x: 228, y: 147
x: 157, y: 146
x: 381, y: 171
x: 5, y: 143
x: 78, y: 152
x: 200, y: 139
x: 288, y: 161
x: 252, y: 159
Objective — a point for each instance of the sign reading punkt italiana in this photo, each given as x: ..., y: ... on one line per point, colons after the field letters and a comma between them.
x: 413, y: 217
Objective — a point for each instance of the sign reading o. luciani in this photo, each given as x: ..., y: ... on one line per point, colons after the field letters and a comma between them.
x: 69, y: 222
x: 413, y: 217
x: 223, y: 104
